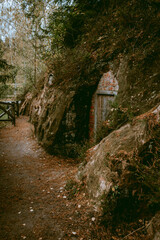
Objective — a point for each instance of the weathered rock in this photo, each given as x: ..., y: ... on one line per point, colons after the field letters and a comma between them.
x: 57, y: 117
x: 47, y: 111
x: 62, y: 117
x: 25, y: 107
x: 157, y: 236
x: 154, y: 227
x: 100, y: 178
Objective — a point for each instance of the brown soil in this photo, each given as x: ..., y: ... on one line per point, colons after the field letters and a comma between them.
x: 33, y: 201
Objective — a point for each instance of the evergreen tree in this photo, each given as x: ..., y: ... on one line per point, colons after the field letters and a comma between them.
x: 6, y: 70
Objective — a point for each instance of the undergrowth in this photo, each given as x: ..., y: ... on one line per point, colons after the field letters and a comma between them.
x: 116, y: 119
x: 137, y: 194
x: 81, y: 149
x: 72, y: 187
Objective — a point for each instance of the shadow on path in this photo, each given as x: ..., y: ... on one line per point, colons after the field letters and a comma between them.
x: 33, y: 202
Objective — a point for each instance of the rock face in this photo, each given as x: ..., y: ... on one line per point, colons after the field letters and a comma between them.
x: 58, y: 112
x: 154, y: 227
x: 47, y: 111
x: 25, y: 107
x: 118, y: 43
x: 99, y: 174
x: 62, y: 114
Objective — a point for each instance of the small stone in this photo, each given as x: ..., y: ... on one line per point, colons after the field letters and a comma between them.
x: 79, y: 206
x: 93, y: 219
x: 24, y: 237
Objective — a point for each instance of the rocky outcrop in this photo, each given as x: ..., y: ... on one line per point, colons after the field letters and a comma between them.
x: 47, y: 110
x: 58, y: 113
x: 107, y: 161
x: 123, y: 40
x: 26, y: 104
x: 153, y: 228
x: 121, y: 171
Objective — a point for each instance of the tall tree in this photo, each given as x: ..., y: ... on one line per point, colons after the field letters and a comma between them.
x: 7, y: 71
x: 23, y: 45
x: 37, y: 11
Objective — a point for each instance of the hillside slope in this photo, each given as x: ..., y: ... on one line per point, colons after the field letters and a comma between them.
x: 122, y: 39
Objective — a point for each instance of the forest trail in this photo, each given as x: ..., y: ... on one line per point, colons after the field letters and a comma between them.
x: 33, y: 202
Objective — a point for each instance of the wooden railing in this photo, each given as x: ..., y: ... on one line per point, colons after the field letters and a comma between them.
x: 9, y: 111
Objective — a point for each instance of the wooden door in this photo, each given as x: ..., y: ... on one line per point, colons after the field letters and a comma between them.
x: 103, y: 107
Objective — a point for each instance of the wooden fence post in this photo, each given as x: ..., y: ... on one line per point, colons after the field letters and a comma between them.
x: 11, y: 109
x: 13, y: 113
x: 8, y: 108
x: 17, y: 108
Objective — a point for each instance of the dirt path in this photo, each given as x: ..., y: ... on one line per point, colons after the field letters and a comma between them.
x: 33, y: 201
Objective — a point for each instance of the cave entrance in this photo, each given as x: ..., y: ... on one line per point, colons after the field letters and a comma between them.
x: 102, y: 101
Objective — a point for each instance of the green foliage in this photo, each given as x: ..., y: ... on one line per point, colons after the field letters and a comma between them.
x: 72, y: 187
x: 70, y: 20
x: 7, y: 74
x: 6, y: 89
x: 120, y: 116
x: 117, y: 118
x: 30, y: 85
x: 3, y: 63
x: 6, y: 71
x: 65, y: 26
x: 32, y: 8
x: 81, y: 149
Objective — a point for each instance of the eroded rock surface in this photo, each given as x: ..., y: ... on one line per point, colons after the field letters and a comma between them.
x: 129, y: 139
x: 154, y: 227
